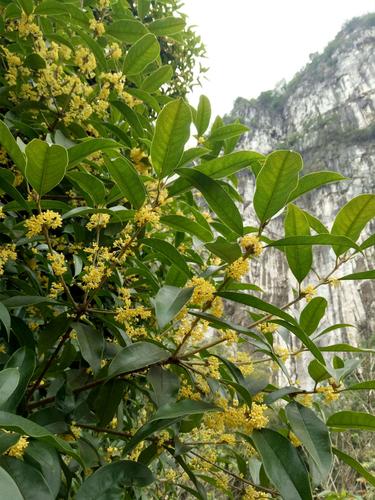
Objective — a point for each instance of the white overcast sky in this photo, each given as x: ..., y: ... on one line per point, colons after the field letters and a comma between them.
x: 253, y: 44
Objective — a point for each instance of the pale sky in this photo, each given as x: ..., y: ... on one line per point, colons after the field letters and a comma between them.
x: 253, y: 44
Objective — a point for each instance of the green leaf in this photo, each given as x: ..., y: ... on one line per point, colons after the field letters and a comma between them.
x: 5, y: 318
x: 165, y: 385
x: 126, y: 30
x: 46, y: 459
x: 50, y: 8
x: 15, y: 423
x: 135, y: 357
x: 183, y: 224
x: 108, y: 482
x: 183, y: 408
x: 250, y: 300
x: 352, y: 218
x: 143, y: 7
x: 130, y: 116
x: 141, y: 54
x: 315, y: 223
x: 345, y: 420
x: 91, y: 343
x: 192, y: 154
x: 367, y: 385
x: 128, y: 181
x: 314, y: 180
x: 10, y: 145
x: 315, y: 239
x: 312, y: 314
x: 355, y: 465
x: 172, y: 130
x: 168, y: 251
x: 25, y: 300
x: 91, y: 187
x: 167, y: 26
x: 9, y: 379
x: 203, y: 116
x: 45, y: 165
x: 168, y: 302
x: 299, y: 257
x: 8, y: 488
x: 6, y: 186
x: 229, y: 252
x: 365, y: 275
x: 369, y: 242
x: 314, y: 436
x: 276, y: 180
x: 216, y: 197
x: 283, y: 465
x: 24, y: 360
x: 227, y: 132
x: 81, y: 151
x: 29, y: 480
x: 155, y: 80
x: 345, y: 348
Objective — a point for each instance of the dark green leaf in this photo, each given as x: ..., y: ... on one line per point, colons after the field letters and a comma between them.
x: 216, y: 197
x: 9, y: 489
x: 126, y: 30
x: 314, y: 180
x: 167, y: 26
x: 155, y: 80
x: 316, y: 239
x: 5, y: 318
x: 227, y: 132
x: 366, y: 385
x: 283, y: 465
x: 314, y: 436
x: 90, y: 186
x: 183, y: 224
x: 135, y: 357
x: 45, y: 165
x: 91, y: 343
x: 228, y: 252
x: 355, y: 465
x: 141, y: 54
x: 109, y: 481
x: 168, y: 302
x: 128, y: 181
x: 24, y: 360
x: 345, y: 420
x: 365, y: 275
x: 312, y: 314
x: 182, y: 408
x: 10, y: 145
x: 275, y: 182
x: 168, y: 251
x: 81, y: 151
x: 172, y: 130
x: 299, y: 257
x: 352, y: 218
x: 203, y: 116
x: 165, y: 385
x: 9, y: 379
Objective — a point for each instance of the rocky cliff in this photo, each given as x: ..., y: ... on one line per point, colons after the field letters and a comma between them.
x: 327, y: 113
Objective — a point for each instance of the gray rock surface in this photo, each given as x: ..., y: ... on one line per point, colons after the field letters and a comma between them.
x: 327, y: 113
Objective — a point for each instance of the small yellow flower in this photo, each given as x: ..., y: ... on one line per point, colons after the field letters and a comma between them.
x: 18, y: 449
x: 329, y: 393
x: 309, y: 292
x: 334, y: 282
x: 252, y: 245
x: 48, y: 219
x: 203, y: 291
x: 58, y: 264
x: 145, y: 215
x: 238, y: 269
x: 98, y: 221
x: 296, y: 442
x: 97, y: 27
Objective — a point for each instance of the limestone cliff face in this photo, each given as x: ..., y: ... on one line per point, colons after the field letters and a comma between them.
x: 327, y: 113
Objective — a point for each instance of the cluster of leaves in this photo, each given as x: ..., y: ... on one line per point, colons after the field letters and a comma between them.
x: 120, y: 247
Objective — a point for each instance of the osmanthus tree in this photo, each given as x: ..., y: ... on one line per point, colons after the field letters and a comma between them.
x: 120, y: 247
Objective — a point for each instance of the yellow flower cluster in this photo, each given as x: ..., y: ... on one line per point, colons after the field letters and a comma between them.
x: 7, y: 253
x: 58, y: 264
x: 48, y: 219
x: 253, y: 494
x: 76, y: 431
x: 129, y: 316
x: 85, y: 60
x: 18, y: 449
x: 267, y: 327
x: 145, y: 215
x: 97, y: 27
x: 282, y: 352
x: 329, y: 393
x: 114, y: 51
x: 98, y: 221
x: 55, y: 290
x: 308, y: 292
x: 238, y: 269
x: 305, y: 399
x: 230, y: 336
x: 252, y: 244
x: 243, y: 361
x: 25, y: 26
x: 238, y: 418
x: 203, y: 291
x: 334, y: 282
x: 217, y: 307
